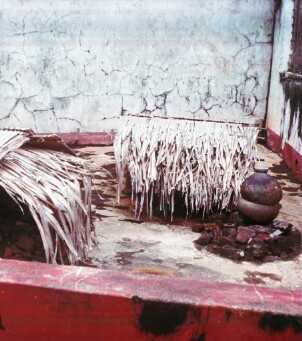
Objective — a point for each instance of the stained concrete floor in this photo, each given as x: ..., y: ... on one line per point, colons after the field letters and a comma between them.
x: 166, y: 249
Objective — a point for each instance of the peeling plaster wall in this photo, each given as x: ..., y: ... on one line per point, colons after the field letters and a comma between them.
x: 79, y: 65
x: 283, y: 116
x: 280, y: 63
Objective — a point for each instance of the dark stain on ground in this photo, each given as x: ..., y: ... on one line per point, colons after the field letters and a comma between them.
x: 127, y: 239
x: 87, y: 263
x: 97, y: 215
x: 132, y: 220
x: 109, y: 153
x: 121, y: 207
x: 253, y: 280
x: 161, y: 318
x: 110, y: 167
x: 295, y: 194
x: 290, y: 189
x: 256, y: 277
x: 123, y: 257
x: 279, y: 168
x: 98, y: 200
x: 281, y: 171
x: 137, y: 244
x: 278, y: 323
x: 183, y: 265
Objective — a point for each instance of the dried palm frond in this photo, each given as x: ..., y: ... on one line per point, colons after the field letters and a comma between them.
x: 205, y: 162
x: 56, y: 187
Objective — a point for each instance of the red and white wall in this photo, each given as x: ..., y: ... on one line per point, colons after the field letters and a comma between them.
x: 284, y: 117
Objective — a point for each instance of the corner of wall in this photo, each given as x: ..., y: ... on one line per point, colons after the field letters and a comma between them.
x: 280, y: 120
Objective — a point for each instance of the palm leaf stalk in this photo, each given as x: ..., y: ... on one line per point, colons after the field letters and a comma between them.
x: 205, y: 162
x: 56, y: 187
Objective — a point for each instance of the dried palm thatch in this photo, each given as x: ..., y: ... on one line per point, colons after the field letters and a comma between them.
x: 204, y: 161
x: 55, y: 186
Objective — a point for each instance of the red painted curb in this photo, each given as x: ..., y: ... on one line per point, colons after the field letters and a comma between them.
x: 291, y: 157
x: 88, y: 139
x: 48, y: 302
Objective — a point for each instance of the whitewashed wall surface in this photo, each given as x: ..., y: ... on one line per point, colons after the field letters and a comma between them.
x: 79, y: 65
x: 284, y: 116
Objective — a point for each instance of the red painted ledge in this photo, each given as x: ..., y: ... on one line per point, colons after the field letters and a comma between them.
x: 48, y: 302
x: 88, y: 139
x: 291, y: 157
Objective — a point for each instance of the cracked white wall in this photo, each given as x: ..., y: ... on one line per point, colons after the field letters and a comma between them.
x: 79, y: 65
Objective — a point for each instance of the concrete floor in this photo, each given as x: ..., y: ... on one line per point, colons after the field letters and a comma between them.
x: 167, y: 249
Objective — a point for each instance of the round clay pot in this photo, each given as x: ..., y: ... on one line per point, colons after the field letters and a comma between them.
x: 261, y: 188
x: 262, y: 214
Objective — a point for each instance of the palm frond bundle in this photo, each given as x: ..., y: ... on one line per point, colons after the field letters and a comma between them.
x: 204, y: 161
x: 55, y: 186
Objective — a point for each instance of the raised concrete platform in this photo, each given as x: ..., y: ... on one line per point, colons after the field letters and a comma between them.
x: 152, y: 284
x: 166, y: 249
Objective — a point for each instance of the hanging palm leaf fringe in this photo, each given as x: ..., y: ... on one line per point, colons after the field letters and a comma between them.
x: 55, y: 186
x: 205, y: 162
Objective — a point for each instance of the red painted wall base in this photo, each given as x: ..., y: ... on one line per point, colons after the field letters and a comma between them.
x: 88, y: 139
x: 291, y: 157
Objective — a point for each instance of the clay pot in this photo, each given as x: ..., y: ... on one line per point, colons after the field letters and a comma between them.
x: 262, y: 214
x: 261, y: 188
